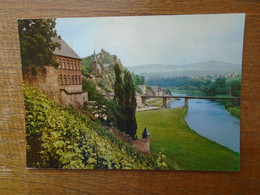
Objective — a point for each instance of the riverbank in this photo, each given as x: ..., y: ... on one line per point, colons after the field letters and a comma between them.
x: 184, y: 148
x: 234, y: 110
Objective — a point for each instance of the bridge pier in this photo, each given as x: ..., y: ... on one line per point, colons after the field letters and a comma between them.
x: 186, y: 102
x: 164, y: 102
x: 144, y: 101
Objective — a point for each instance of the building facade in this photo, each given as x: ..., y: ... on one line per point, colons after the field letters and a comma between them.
x: 62, y: 84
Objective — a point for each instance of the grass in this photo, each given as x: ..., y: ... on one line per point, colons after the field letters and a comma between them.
x: 155, y: 102
x: 234, y: 110
x: 224, y: 101
x: 184, y: 148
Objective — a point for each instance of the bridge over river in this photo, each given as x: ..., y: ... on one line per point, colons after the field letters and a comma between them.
x: 235, y: 100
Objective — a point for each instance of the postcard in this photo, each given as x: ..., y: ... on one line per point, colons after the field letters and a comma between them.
x: 137, y: 92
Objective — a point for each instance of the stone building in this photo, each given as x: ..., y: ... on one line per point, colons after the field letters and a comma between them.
x: 106, y: 67
x: 143, y: 88
x: 62, y: 84
x: 95, y: 66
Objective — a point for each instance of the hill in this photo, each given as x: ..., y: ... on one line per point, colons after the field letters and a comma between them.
x: 61, y: 137
x: 104, y: 59
x: 196, y: 69
x: 106, y: 79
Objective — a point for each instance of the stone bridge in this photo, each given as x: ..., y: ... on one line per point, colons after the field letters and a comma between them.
x: 235, y: 100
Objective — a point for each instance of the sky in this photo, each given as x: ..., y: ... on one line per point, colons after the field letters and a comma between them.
x: 172, y: 40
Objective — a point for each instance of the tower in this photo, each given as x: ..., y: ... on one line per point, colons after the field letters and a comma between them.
x: 94, y: 63
x: 95, y: 66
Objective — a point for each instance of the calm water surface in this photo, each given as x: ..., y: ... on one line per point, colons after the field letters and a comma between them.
x: 211, y: 120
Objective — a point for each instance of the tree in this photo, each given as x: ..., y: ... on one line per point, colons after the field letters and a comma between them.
x: 105, y: 109
x: 125, y: 98
x: 236, y: 88
x: 119, y: 97
x: 129, y: 105
x: 118, y: 85
x: 36, y: 42
x: 86, y: 64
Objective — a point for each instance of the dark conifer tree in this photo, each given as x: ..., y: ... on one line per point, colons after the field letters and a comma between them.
x: 129, y: 105
x: 119, y: 97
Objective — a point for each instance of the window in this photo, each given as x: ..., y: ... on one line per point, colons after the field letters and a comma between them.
x: 72, y: 79
x: 79, y: 65
x: 59, y: 62
x: 68, y: 64
x: 63, y: 64
x: 65, y: 80
x: 71, y: 65
x: 68, y: 79
x: 75, y: 79
x: 79, y: 79
x: 60, y: 79
x: 75, y: 65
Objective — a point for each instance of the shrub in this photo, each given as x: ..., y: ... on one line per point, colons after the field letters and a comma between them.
x: 61, y: 137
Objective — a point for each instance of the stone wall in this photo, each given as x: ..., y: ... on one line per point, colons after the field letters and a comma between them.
x: 74, y: 99
x: 142, y: 145
x: 139, y: 101
x: 46, y: 79
x: 50, y: 82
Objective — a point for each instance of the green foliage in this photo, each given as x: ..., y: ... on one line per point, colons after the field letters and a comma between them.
x: 125, y: 98
x: 103, y: 58
x: 60, y: 137
x: 184, y: 148
x: 86, y: 64
x: 180, y: 83
x: 219, y: 87
x: 90, y: 87
x: 107, y: 77
x: 107, y: 110
x: 36, y: 42
x: 129, y: 105
x: 161, y: 161
x: 200, y: 85
x: 119, y: 97
x: 104, y: 85
x: 236, y: 88
x: 138, y: 80
x: 234, y: 110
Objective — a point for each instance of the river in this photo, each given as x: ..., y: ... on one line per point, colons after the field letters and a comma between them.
x: 211, y: 120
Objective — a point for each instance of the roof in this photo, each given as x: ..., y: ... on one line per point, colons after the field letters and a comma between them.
x: 145, y: 133
x: 65, y: 50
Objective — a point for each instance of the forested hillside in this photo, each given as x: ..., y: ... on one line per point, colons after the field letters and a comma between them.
x: 196, y: 69
x: 107, y: 77
x: 206, y: 85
